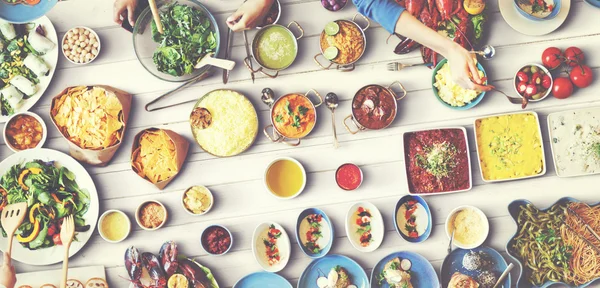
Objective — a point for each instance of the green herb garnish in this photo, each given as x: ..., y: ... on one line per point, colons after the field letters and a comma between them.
x: 302, y: 110
x: 278, y: 118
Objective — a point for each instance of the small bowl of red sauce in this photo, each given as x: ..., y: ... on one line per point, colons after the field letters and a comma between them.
x: 348, y: 176
x: 216, y: 240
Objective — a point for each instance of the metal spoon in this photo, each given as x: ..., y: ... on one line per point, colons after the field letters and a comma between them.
x: 504, y: 274
x: 487, y: 52
x: 332, y: 102
x: 451, y: 239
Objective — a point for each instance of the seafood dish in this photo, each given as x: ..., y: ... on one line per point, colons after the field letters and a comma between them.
x: 337, y: 277
x: 365, y: 226
x: 25, y: 52
x: 24, y: 131
x: 342, y: 42
x: 575, y: 141
x: 453, y: 94
x: 271, y: 246
x: 469, y: 225
x: 510, y: 146
x: 188, y: 36
x: 314, y: 232
x: 554, y: 245
x: 52, y: 193
x: 333, y: 271
x: 396, y: 273
x: 294, y: 115
x: 464, y: 24
x: 437, y: 161
x: 403, y: 269
x: 168, y: 268
x: 374, y: 107
x: 224, y: 123
x: 479, y: 267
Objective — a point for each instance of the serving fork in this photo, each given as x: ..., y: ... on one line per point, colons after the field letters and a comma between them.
x: 397, y: 66
x: 67, y: 233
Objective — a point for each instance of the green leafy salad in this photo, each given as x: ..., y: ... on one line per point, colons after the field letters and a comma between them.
x: 188, y: 36
x: 51, y: 194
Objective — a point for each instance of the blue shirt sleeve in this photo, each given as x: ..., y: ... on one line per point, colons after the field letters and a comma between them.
x: 385, y: 12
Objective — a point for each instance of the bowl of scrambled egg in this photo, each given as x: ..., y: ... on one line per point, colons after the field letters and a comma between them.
x: 451, y: 94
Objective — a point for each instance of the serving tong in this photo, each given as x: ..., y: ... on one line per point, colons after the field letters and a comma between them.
x: 569, y: 210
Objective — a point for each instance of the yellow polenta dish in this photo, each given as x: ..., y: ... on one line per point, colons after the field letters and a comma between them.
x: 509, y: 146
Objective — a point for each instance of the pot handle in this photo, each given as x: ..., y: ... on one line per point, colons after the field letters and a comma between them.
x: 358, y: 128
x: 307, y: 94
x: 397, y: 83
x: 346, y: 68
x: 261, y: 70
x: 319, y: 63
x: 276, y: 136
x: 299, y: 28
x: 364, y: 18
x: 293, y: 144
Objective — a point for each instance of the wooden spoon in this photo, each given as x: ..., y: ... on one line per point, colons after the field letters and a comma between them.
x: 156, y: 16
x: 209, y: 60
x: 12, y: 217
x: 67, y: 233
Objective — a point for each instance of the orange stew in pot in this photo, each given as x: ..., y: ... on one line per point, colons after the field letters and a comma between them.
x: 293, y: 116
x: 374, y: 107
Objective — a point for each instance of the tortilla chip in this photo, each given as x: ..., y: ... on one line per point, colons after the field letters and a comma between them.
x: 155, y: 157
x: 90, y: 117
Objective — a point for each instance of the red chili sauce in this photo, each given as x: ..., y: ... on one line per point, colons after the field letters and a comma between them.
x: 437, y: 161
x: 216, y: 240
x: 348, y: 176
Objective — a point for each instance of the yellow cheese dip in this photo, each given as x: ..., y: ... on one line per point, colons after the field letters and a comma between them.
x: 114, y: 226
x: 469, y: 227
x: 509, y: 146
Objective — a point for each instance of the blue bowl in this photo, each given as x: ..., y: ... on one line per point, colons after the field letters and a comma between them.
x: 470, y: 105
x: 321, y: 267
x: 513, y: 210
x: 21, y: 13
x: 422, y: 272
x: 555, y: 11
x: 453, y: 263
x: 421, y: 201
x: 263, y: 280
x: 327, y: 247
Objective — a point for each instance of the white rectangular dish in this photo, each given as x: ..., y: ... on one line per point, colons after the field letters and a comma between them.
x: 37, y: 279
x: 539, y: 130
x: 575, y: 141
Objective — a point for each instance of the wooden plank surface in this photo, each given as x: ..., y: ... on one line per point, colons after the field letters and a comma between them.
x: 241, y: 199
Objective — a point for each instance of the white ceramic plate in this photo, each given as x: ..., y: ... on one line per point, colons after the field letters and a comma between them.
x: 529, y: 27
x: 52, y: 255
x: 259, y: 249
x: 51, y: 58
x: 37, y: 279
x: 377, y: 227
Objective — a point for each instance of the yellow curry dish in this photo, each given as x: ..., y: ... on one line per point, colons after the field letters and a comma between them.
x: 293, y: 116
x: 349, y: 41
x: 510, y: 146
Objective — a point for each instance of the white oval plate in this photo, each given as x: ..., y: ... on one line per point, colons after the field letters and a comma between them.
x: 530, y: 27
x: 55, y: 254
x: 51, y: 58
x: 377, y: 227
x: 259, y: 249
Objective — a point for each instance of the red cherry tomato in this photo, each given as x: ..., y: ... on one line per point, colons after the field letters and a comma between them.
x: 521, y: 87
x: 56, y: 239
x: 536, y: 78
x: 574, y: 56
x: 546, y: 82
x: 562, y: 88
x: 522, y: 76
x: 530, y: 90
x: 581, y: 76
x: 552, y: 57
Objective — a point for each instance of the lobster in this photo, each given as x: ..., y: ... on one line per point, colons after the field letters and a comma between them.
x: 168, y: 257
x: 134, y: 263
x: 192, y: 272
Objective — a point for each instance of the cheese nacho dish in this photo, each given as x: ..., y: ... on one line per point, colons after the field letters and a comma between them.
x: 349, y: 41
x: 89, y: 117
x: 154, y: 156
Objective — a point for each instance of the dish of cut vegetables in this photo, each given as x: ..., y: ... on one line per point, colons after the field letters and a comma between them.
x: 54, y: 186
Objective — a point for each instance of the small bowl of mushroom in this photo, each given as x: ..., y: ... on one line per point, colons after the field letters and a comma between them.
x: 81, y: 45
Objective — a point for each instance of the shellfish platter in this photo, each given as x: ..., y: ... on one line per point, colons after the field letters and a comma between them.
x: 53, y: 277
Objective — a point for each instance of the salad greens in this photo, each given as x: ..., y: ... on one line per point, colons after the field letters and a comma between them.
x: 51, y: 194
x: 188, y: 36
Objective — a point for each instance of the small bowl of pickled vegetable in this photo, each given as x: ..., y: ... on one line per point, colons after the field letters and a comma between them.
x: 25, y: 130
x: 534, y: 82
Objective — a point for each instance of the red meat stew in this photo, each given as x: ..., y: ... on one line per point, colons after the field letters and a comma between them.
x: 374, y: 107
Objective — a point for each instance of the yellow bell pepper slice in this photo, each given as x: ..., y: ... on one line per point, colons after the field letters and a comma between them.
x: 33, y: 235
x: 32, y: 211
x: 22, y: 178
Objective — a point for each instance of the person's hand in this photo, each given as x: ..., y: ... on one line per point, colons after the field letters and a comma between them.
x: 8, y: 277
x: 248, y: 15
x: 464, y: 69
x: 124, y: 10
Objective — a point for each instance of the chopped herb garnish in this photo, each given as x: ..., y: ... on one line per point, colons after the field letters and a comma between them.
x: 302, y: 110
x: 278, y: 118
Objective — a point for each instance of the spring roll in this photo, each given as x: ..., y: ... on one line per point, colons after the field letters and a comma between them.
x: 7, y: 30
x: 37, y: 65
x: 12, y: 96
x: 24, y: 85
x: 40, y: 43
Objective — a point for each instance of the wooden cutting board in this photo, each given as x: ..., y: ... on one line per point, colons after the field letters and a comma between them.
x: 37, y: 279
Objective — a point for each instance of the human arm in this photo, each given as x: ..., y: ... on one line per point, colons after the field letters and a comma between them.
x: 249, y: 14
x: 8, y: 277
x: 124, y: 10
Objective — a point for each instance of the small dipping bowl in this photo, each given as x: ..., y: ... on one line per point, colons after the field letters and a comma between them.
x: 21, y: 114
x: 541, y: 68
x: 349, y: 176
x: 334, y: 5
x: 274, y: 13
x: 65, y: 39
x: 212, y: 229
x: 208, y: 196
x: 484, y: 233
x: 281, y: 172
x: 139, y: 210
x: 118, y: 216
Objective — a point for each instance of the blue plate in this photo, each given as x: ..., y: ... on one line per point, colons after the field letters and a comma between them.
x: 321, y: 267
x: 420, y: 200
x: 21, y: 13
x: 327, y: 223
x: 555, y: 11
x: 513, y: 210
x: 470, y: 105
x: 595, y: 3
x: 423, y: 274
x: 262, y: 280
x: 453, y: 263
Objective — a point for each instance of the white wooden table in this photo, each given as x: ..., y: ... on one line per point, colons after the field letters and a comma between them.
x: 241, y: 199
